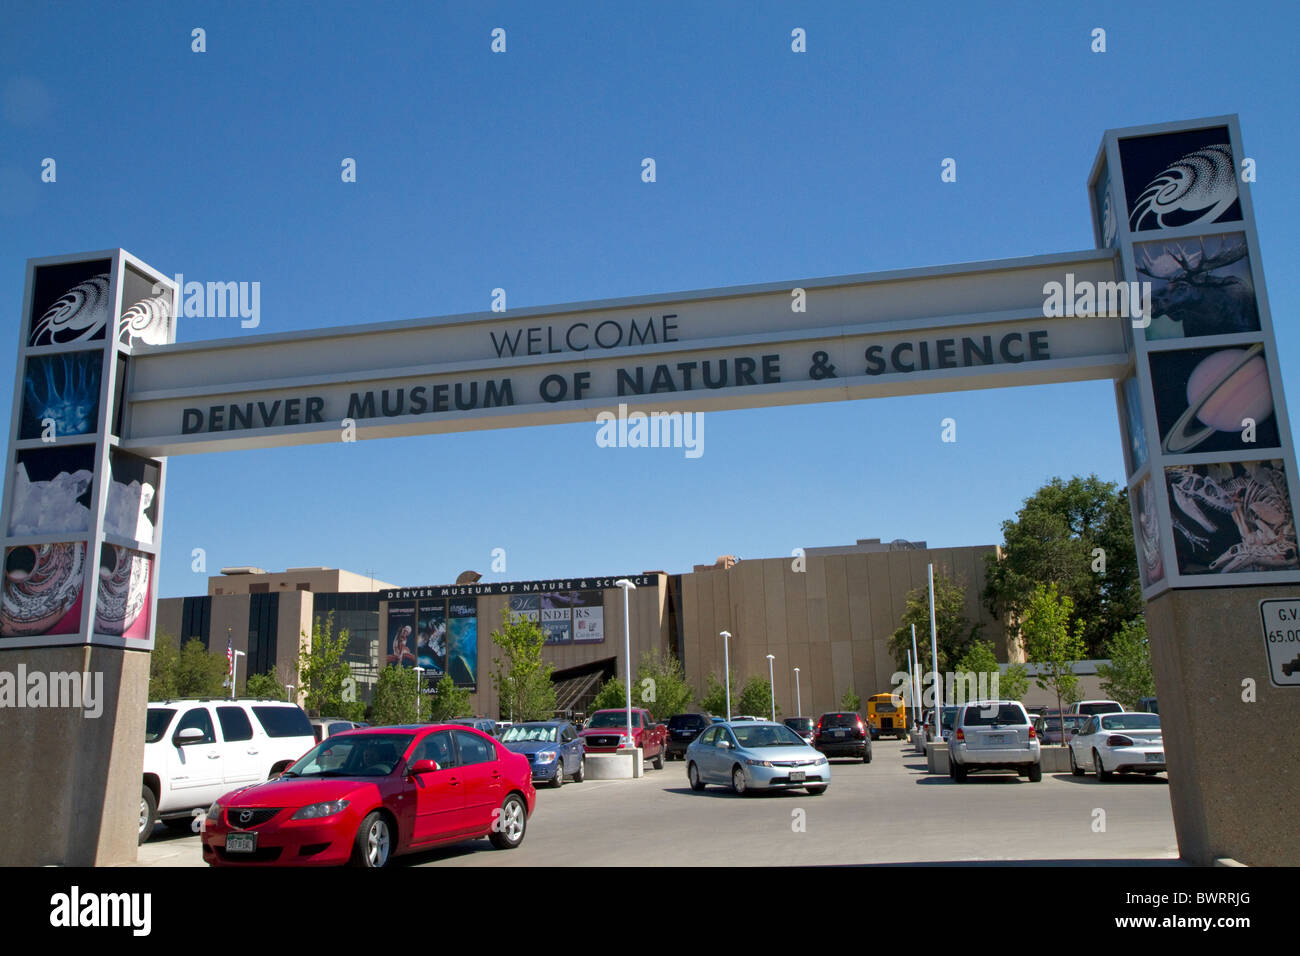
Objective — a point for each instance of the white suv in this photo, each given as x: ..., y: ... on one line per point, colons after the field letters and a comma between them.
x: 994, y: 735
x: 197, y: 750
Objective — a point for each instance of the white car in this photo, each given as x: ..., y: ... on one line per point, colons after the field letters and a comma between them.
x: 197, y: 750
x: 1118, y: 743
x: 1092, y: 707
x: 994, y: 735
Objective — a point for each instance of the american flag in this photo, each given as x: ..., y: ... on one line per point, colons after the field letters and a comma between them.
x: 230, y: 658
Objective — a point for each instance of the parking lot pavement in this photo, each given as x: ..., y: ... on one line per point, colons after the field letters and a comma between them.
x: 888, y: 811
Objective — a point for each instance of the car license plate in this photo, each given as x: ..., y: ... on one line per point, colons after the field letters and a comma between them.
x: 838, y: 733
x: 1158, y: 757
x: 995, y: 738
x: 241, y: 842
x: 796, y: 776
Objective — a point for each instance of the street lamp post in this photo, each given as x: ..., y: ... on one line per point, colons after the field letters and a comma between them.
x: 288, y: 691
x: 419, y: 674
x: 627, y: 585
x: 798, y: 701
x: 726, y: 668
x: 234, y: 673
x: 771, y: 684
x: 934, y: 650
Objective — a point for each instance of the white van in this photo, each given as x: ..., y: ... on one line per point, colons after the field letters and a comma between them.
x: 197, y: 750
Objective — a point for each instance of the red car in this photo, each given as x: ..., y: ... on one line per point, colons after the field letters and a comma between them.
x: 366, y: 795
x: 606, y: 732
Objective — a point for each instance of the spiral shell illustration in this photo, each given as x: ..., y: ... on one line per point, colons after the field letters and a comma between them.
x: 123, y: 589
x: 42, y: 582
x: 1202, y: 185
x: 79, y: 314
x: 146, y: 321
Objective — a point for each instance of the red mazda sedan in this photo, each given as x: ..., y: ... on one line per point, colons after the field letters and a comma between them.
x: 366, y: 795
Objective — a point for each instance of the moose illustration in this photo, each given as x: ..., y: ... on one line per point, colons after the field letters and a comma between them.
x: 1204, y: 303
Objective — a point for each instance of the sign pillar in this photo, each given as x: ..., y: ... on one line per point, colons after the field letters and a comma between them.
x: 81, y: 524
x: 1211, y: 478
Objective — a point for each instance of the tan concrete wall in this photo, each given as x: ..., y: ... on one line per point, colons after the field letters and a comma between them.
x: 833, y: 620
x: 83, y: 808
x: 318, y: 580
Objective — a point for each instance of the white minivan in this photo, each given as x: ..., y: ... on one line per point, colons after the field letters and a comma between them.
x: 197, y: 750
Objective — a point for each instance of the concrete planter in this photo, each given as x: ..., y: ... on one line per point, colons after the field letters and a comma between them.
x: 624, y: 765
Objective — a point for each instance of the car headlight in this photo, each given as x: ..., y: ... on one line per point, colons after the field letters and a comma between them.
x: 758, y: 763
x: 624, y: 740
x: 822, y: 760
x: 546, y: 756
x: 317, y: 810
x: 214, y: 811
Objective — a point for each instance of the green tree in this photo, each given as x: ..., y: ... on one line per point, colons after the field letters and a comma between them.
x: 851, y: 701
x: 199, y: 673
x: 522, y: 678
x: 162, y: 667
x: 715, y: 696
x: 393, y: 701
x: 1051, y: 643
x: 611, y: 696
x: 660, y: 687
x: 756, y: 698
x: 326, y: 678
x: 264, y: 685
x: 1077, y: 534
x: 980, y: 659
x: 953, y: 629
x: 448, y: 701
x: 1127, y: 678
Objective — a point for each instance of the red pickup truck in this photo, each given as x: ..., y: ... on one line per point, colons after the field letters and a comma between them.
x: 606, y: 732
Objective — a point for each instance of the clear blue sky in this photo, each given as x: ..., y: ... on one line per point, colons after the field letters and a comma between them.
x: 522, y: 171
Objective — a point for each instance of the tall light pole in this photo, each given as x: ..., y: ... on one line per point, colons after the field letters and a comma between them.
x: 627, y: 585
x: 798, y: 701
x: 771, y: 684
x: 419, y: 676
x: 934, y: 651
x: 726, y: 668
x: 916, y: 672
x: 288, y: 690
x: 234, y: 673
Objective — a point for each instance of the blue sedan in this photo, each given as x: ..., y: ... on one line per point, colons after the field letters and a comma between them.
x: 553, y: 749
x: 755, y: 755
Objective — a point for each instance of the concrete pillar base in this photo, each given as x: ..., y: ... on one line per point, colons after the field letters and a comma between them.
x: 1056, y: 759
x: 624, y: 765
x: 936, y: 757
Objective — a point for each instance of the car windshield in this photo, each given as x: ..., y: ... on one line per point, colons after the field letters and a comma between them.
x: 767, y: 735
x: 984, y: 715
x: 1131, y: 722
x: 156, y: 723
x: 352, y: 755
x: 800, y: 724
x: 528, y: 733
x: 613, y: 718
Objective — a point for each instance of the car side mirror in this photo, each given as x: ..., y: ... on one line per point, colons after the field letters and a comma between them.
x: 190, y: 735
x: 725, y: 744
x: 422, y: 766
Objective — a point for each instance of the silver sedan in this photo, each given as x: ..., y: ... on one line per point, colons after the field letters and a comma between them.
x: 755, y: 755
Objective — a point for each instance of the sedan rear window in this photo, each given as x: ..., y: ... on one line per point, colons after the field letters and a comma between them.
x: 1130, y: 722
x: 839, y: 720
x: 283, y: 721
x: 979, y: 715
x: 687, y: 722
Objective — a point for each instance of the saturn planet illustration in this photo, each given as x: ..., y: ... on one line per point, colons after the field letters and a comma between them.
x: 1226, y: 388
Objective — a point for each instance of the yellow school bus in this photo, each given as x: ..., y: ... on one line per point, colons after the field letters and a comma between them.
x: 887, y: 714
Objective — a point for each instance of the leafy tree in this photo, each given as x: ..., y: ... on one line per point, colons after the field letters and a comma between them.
x: 979, y: 658
x: 1127, y: 678
x: 612, y: 695
x: 660, y: 687
x: 198, y: 673
x: 393, y: 701
x: 1077, y: 534
x: 1051, y: 643
x: 264, y: 685
x: 953, y: 629
x: 448, y: 701
x: 326, y: 678
x: 850, y: 700
x: 756, y: 698
x: 715, y: 697
x: 522, y: 678
x: 162, y: 668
